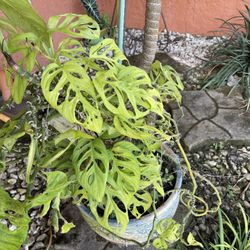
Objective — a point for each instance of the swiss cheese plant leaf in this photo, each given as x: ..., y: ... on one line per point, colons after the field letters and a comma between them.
x: 108, y: 52
x: 69, y: 90
x: 72, y: 49
x: 57, y: 181
x: 21, y: 15
x: 140, y: 203
x: 15, y: 229
x: 126, y: 92
x: 167, y: 80
x: 78, y: 26
x: 150, y: 171
x: 91, y: 160
x: 138, y: 129
x: 121, y: 192
x: 125, y: 169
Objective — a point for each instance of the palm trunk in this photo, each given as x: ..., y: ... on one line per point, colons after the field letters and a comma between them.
x: 153, y: 13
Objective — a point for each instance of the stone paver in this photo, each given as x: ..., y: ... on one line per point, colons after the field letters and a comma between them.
x: 211, y: 116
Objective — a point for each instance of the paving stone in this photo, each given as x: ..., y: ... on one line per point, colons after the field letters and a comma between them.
x: 82, y: 237
x: 224, y: 100
x: 204, y: 133
x: 236, y: 122
x: 212, y: 116
x: 184, y: 124
x: 199, y: 103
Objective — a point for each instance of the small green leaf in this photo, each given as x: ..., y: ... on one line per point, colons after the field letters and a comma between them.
x: 169, y: 230
x: 192, y: 241
x: 67, y: 227
x: 159, y: 243
x: 31, y: 156
x: 18, y: 89
x: 10, y: 141
x: 56, y: 183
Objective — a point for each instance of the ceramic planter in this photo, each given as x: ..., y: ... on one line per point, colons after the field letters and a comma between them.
x: 139, y: 229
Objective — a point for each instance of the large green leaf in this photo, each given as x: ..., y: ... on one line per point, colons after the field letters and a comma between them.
x: 91, y: 160
x: 127, y: 92
x: 21, y: 15
x: 78, y: 26
x: 6, y: 25
x: 15, y: 214
x: 69, y: 90
x: 122, y: 191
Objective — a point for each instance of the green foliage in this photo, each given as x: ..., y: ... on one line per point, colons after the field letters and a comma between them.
x: 167, y: 80
x: 169, y: 232
x: 231, y: 56
x: 98, y: 144
x: 233, y: 236
x: 93, y: 11
x: 15, y: 214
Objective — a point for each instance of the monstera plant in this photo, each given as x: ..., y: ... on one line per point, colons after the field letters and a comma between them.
x: 86, y: 122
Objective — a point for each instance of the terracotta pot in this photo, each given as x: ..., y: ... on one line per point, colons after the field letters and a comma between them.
x: 139, y: 229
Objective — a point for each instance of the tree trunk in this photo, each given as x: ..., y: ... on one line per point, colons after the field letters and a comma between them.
x: 153, y: 13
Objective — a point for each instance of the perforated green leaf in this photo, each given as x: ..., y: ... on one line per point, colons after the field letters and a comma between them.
x: 72, y: 49
x: 138, y: 129
x: 108, y: 52
x: 151, y: 172
x: 56, y: 183
x: 167, y: 80
x: 122, y: 191
x: 69, y: 90
x: 14, y: 213
x: 126, y: 91
x: 91, y: 160
x: 140, y: 203
x: 78, y: 26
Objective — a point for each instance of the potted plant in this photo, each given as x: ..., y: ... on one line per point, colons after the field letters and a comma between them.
x: 88, y: 123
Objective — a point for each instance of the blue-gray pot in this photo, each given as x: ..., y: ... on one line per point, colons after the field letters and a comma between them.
x: 139, y: 229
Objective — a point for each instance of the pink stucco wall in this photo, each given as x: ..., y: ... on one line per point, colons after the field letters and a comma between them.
x: 193, y: 16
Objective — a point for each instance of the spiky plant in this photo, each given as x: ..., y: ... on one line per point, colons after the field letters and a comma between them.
x: 232, y: 55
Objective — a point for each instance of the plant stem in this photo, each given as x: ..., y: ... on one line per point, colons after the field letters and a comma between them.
x: 221, y: 230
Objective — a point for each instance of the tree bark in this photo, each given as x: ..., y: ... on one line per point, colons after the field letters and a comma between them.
x: 153, y: 13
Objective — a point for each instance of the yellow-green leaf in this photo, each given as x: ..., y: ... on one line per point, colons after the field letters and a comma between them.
x: 192, y: 241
